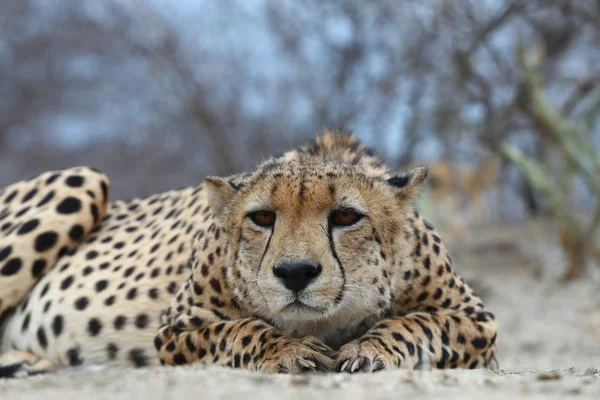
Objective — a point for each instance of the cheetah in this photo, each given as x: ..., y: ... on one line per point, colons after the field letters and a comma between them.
x: 315, y: 261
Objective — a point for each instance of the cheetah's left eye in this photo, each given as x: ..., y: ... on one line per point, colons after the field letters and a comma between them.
x: 264, y: 218
x: 345, y: 217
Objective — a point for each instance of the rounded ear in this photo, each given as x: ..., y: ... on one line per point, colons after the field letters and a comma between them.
x: 408, y: 184
x: 220, y: 194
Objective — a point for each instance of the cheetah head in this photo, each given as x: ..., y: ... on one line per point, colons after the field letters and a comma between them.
x: 315, y: 241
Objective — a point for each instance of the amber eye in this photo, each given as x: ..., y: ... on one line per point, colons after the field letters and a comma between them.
x: 345, y: 217
x: 263, y: 218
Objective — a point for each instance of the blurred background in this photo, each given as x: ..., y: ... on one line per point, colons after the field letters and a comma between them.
x: 500, y: 98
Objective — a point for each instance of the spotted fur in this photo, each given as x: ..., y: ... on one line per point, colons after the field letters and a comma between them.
x: 192, y: 266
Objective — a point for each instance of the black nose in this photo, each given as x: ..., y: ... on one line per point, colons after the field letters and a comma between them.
x: 296, y: 276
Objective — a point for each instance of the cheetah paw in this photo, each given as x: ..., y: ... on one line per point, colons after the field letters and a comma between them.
x: 300, y: 356
x: 356, y: 357
x: 14, y: 364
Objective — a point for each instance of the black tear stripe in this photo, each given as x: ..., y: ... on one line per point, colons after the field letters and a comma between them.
x: 266, y: 249
x: 340, y: 295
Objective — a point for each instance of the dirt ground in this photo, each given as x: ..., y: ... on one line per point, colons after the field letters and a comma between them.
x: 549, y: 338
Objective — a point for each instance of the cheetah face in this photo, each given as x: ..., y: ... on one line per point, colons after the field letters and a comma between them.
x: 311, y: 241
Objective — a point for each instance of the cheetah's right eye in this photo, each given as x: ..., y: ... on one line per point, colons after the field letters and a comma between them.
x: 264, y: 218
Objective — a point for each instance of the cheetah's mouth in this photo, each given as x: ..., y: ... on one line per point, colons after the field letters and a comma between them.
x: 298, y: 305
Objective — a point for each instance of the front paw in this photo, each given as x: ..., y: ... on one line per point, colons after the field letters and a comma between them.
x: 368, y: 356
x: 295, y: 356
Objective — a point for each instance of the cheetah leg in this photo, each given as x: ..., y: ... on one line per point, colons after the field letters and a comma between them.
x: 15, y: 364
x: 441, y: 340
x: 41, y: 219
x: 246, y: 343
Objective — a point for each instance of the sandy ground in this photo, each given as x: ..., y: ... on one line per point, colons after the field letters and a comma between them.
x: 543, y: 326
x: 215, y: 383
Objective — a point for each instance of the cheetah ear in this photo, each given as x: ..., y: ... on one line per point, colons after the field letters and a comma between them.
x: 408, y: 184
x: 220, y: 193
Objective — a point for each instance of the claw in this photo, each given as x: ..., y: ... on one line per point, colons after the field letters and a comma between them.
x: 306, y: 363
x: 283, y: 370
x: 378, y: 366
x: 344, y: 365
x: 355, y: 365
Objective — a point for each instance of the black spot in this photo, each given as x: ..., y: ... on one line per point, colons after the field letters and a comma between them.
x: 427, y: 333
x: 104, y: 187
x: 422, y: 297
x: 398, y: 336
x: 66, y: 283
x: 75, y: 181
x: 5, y: 253
x: 76, y: 233
x: 201, y: 353
x: 179, y: 359
x: 246, y: 340
x: 87, y: 270
x: 138, y: 357
x: 90, y: 255
x: 74, y: 356
x: 38, y: 267
x: 57, y: 325
x: 22, y: 212
x: 10, y: 197
x: 46, y: 199
x: 11, y: 267
x: 42, y: 339
x: 28, y: 227
x: 141, y: 321
x: 29, y: 195
x: 479, y: 343
x: 190, y: 345
x: 198, y: 289
x: 69, y: 205
x: 94, y: 327
x: 215, y: 285
x: 26, y: 321
x: 120, y: 322
x: 427, y: 263
x: 112, y: 350
x: 45, y: 241
x: 52, y: 178
x: 131, y: 294
x: 45, y: 290
x: 172, y: 288
x: 157, y: 342
x: 81, y: 303
x: 101, y: 285
x: 153, y: 293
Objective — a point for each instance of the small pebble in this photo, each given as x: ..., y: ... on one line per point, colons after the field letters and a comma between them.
x: 548, y: 376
